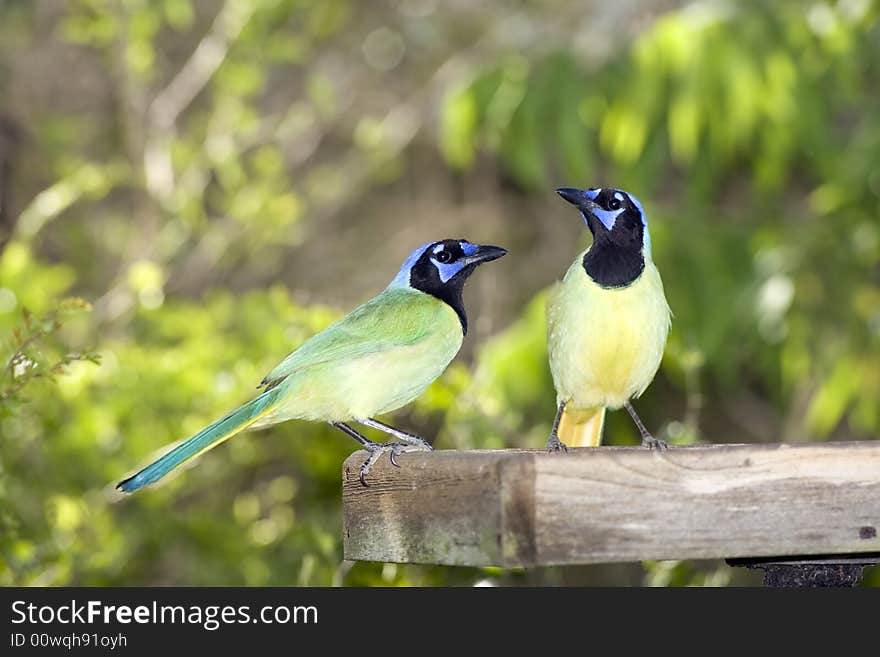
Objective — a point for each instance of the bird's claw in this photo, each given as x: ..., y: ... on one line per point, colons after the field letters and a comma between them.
x: 555, y: 445
x: 654, y: 443
x: 394, y: 451
x: 375, y: 450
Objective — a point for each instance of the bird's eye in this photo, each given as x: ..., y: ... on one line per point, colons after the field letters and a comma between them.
x: 613, y: 204
x: 443, y: 257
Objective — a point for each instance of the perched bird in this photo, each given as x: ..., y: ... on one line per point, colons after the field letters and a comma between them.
x: 379, y: 357
x: 607, y: 320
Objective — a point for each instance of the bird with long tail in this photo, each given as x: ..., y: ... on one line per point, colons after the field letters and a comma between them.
x: 378, y: 358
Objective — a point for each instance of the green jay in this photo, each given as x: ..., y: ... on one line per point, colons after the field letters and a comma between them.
x: 379, y: 357
x: 607, y: 320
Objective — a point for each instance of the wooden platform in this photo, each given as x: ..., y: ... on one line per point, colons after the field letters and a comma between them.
x: 614, y: 504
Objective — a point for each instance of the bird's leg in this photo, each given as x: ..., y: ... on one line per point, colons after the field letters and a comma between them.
x: 375, y: 449
x: 413, y: 444
x: 553, y: 442
x: 647, y: 439
x: 408, y: 438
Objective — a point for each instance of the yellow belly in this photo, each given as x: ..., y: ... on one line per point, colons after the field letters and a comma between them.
x: 605, y: 345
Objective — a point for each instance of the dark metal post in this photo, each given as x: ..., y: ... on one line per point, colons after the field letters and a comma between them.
x: 811, y: 571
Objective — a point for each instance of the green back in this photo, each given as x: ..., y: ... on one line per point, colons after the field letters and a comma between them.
x: 395, y: 318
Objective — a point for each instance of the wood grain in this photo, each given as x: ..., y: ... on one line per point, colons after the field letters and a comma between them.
x: 612, y: 504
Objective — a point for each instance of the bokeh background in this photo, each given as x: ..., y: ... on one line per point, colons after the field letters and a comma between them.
x: 190, y: 189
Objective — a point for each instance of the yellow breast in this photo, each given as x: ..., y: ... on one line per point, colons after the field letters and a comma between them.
x: 605, y: 345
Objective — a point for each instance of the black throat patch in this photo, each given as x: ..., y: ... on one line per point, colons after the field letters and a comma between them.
x: 610, y: 265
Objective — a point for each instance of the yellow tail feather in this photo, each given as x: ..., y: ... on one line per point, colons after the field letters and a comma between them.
x: 582, y: 427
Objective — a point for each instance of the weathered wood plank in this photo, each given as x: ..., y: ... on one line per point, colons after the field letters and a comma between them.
x: 612, y: 504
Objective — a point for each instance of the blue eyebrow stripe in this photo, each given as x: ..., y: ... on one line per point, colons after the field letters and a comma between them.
x: 468, y: 248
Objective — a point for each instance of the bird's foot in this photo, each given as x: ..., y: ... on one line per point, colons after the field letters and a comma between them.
x: 393, y: 449
x: 653, y: 443
x: 555, y: 445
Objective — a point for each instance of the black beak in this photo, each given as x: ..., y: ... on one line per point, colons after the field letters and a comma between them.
x: 577, y: 197
x: 485, y: 254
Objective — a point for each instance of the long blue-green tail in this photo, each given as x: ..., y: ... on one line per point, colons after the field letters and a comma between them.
x: 209, y: 437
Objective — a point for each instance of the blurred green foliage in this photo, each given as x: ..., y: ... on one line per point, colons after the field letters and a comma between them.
x: 206, y: 147
x: 755, y: 133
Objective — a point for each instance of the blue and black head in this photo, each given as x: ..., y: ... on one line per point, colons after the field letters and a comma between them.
x: 621, y: 240
x: 441, y: 269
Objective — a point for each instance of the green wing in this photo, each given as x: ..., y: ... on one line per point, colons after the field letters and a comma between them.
x: 397, y: 317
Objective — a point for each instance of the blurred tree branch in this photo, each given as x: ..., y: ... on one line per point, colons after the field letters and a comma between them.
x: 195, y: 74
x: 189, y: 81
